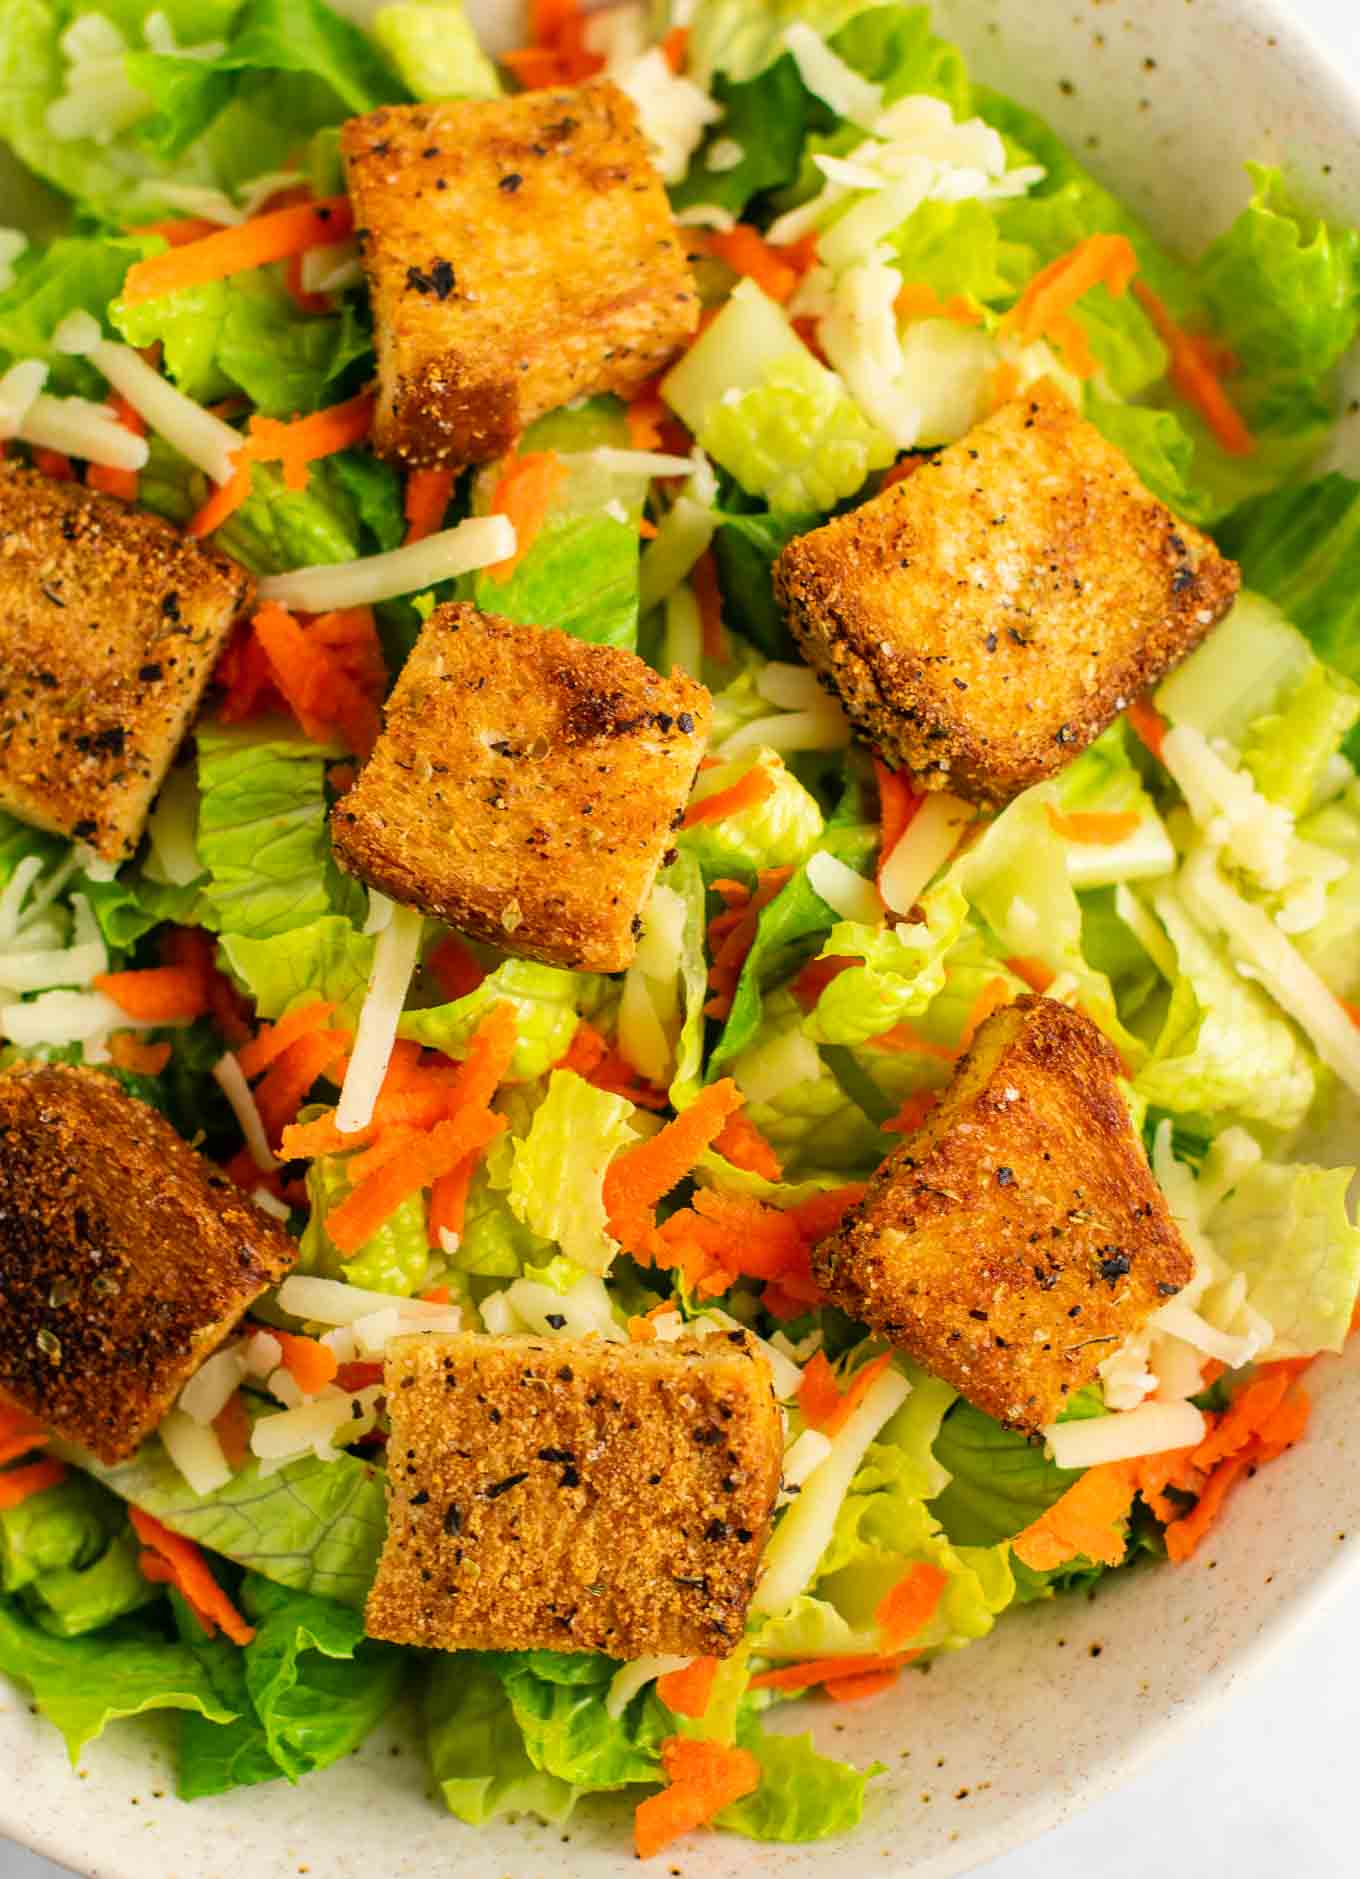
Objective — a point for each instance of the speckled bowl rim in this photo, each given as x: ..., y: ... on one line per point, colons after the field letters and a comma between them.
x: 1067, y: 1700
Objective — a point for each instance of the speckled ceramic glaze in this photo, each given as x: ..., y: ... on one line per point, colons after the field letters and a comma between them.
x: 1165, y: 99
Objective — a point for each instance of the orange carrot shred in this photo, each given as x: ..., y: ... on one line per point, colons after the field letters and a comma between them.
x: 191, y: 1576
x: 231, y: 1426
x: 156, y: 994
x: 910, y: 1605
x: 1093, y: 827
x: 1193, y: 373
x: 638, y: 1178
x: 823, y: 1403
x: 303, y: 441
x: 311, y: 1365
x: 130, y: 1053
x: 871, y: 1683
x: 180, y: 231
x: 1108, y: 260
x: 274, y: 1039
x: 1081, y: 1522
x: 428, y: 494
x: 367, y: 1206
x: 285, y: 1084
x: 55, y: 465
x: 913, y: 1113
x: 318, y: 684
x: 265, y: 238
x: 448, y: 1201
x: 1034, y: 972
x: 524, y: 493
x: 687, y: 1691
x: 744, y: 1146
x: 746, y: 251
x: 226, y: 499
x: 675, y: 46
x: 17, y: 1484
x: 825, y: 1670
x: 708, y: 594
x: 918, y: 300
x: 1147, y: 723
x: 746, y: 793
x: 704, y: 1778
x: 898, y: 803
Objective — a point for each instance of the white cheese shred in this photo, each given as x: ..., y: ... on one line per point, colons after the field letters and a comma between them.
x: 479, y: 542
x: 206, y: 441
x: 1151, y: 1429
x: 230, y: 1079
x: 394, y: 963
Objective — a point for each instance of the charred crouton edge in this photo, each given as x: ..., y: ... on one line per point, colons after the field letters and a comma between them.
x: 112, y: 625
x: 1019, y: 1236
x: 526, y: 787
x: 521, y: 253
x: 985, y: 619
x: 554, y: 1494
x: 125, y: 1257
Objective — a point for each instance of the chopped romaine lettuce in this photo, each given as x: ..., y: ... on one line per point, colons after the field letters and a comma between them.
x: 557, y: 1178
x: 476, y: 1748
x: 548, y: 1003
x: 803, y: 1795
x: 903, y: 970
x: 435, y: 50
x: 396, y: 1259
x: 325, y: 959
x: 1288, y: 1229
x: 780, y: 831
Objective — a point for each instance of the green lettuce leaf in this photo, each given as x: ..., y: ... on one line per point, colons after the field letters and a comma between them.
x: 557, y: 1175
x: 558, y: 1704
x: 799, y: 1098
x: 395, y: 1259
x: 18, y: 841
x: 309, y: 1688
x: 65, y: 1528
x: 1289, y: 1231
x: 778, y: 832
x: 435, y: 50
x: 74, y: 273
x: 1105, y: 781
x: 745, y: 549
x: 1332, y: 947
x: 82, y: 1684
x: 476, y: 1748
x: 548, y: 1002
x: 1223, y: 1050
x: 766, y: 116
x: 325, y: 959
x: 74, y: 1600
x: 903, y: 971
x: 493, y: 1243
x: 262, y: 834
x: 803, y: 1795
x: 314, y: 1526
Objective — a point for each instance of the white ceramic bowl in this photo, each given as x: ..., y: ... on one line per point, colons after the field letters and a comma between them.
x: 1166, y: 99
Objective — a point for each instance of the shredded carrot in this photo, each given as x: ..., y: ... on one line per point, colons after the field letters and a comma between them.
x: 1352, y: 1011
x: 871, y: 1683
x: 646, y: 415
x: 816, y: 975
x: 55, y: 465
x: 910, y: 1042
x: 731, y: 934
x: 1083, y: 1522
x: 226, y: 499
x: 994, y: 995
x: 704, y: 1778
x: 646, y: 529
x: 20, y: 1433
x: 304, y: 441
x: 490, y: 1050
x: 918, y: 300
x: 428, y: 494
x: 746, y: 251
x: 1147, y: 723
x: 903, y: 468
x: 910, y: 1605
x: 687, y: 1691
x: 448, y: 1201
x: 1005, y: 384
x: 641, y: 1331
x: 130, y: 1053
x: 156, y: 994
x: 454, y: 968
x: 913, y: 1113
x: 190, y: 1576
x: 322, y: 695
x: 1098, y: 260
x: 1034, y: 972
x: 265, y: 238
x: 637, y: 1179
x: 311, y: 1365
x: 1184, y: 1535
x: 746, y: 793
x: 17, y: 1484
x: 179, y: 232
x: 596, y: 1061
x: 274, y: 1039
x: 525, y: 493
x: 898, y: 803
x: 821, y: 1214
x: 744, y: 1146
x: 285, y: 1084
x: 737, y: 1235
x: 708, y: 594
x: 675, y: 46
x: 437, y: 1295
x: 367, y: 1206
x: 1091, y: 826
x: 823, y: 1403
x: 825, y: 1670
x: 1193, y: 373
x: 231, y: 1426
x: 102, y: 476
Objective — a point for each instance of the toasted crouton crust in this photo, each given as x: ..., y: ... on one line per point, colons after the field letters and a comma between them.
x: 110, y: 625
x: 565, y: 1495
x: 1019, y: 1236
x: 521, y: 253
x: 985, y: 619
x: 525, y: 787
x: 125, y: 1258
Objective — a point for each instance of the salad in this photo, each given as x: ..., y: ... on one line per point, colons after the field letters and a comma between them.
x: 679, y: 886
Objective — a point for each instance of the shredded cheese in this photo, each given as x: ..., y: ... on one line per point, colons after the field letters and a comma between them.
x: 195, y: 1451
x: 1151, y: 1429
x: 478, y: 542
x: 206, y: 441
x: 230, y: 1079
x: 212, y: 1386
x: 828, y: 77
x: 394, y: 962
x: 78, y: 428
x: 824, y: 726
x: 922, y: 849
x: 18, y: 389
x: 844, y: 891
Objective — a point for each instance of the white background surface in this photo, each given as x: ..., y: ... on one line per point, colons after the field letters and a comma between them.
x: 1264, y: 1789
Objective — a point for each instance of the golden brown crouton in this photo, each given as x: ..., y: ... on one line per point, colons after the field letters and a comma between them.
x: 555, y: 1494
x: 125, y: 1258
x: 110, y: 625
x: 985, y: 619
x: 526, y: 787
x: 1019, y: 1236
x: 520, y: 253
